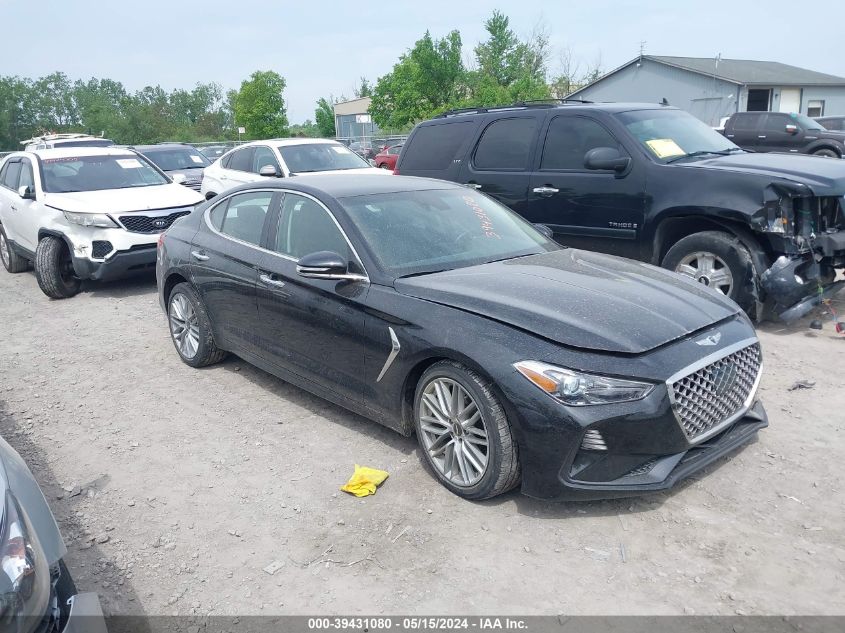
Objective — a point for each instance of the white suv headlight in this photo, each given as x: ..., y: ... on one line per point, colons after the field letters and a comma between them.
x: 100, y: 220
x: 579, y: 388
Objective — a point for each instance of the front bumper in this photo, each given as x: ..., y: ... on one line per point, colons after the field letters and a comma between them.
x: 137, y: 260
x: 85, y: 616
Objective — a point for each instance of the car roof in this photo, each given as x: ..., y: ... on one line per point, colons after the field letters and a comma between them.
x: 349, y: 185
x: 610, y: 107
x: 289, y: 141
x: 70, y: 152
x: 160, y: 146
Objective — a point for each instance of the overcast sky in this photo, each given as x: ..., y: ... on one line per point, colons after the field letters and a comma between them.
x: 323, y: 47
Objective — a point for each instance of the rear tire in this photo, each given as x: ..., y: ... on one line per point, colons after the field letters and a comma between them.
x: 457, y: 457
x: 827, y: 153
x: 190, y: 328
x: 690, y: 256
x: 12, y: 262
x: 54, y: 269
x: 384, y: 166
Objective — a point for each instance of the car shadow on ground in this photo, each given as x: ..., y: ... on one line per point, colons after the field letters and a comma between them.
x: 83, y: 561
x: 121, y: 288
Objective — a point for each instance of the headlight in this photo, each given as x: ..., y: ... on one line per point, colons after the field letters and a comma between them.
x: 779, y: 216
x: 100, y: 220
x: 24, y: 573
x: 579, y: 388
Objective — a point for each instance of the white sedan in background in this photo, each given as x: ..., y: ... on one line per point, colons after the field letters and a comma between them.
x: 281, y: 158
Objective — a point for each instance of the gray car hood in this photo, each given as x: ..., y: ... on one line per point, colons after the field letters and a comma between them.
x: 579, y: 299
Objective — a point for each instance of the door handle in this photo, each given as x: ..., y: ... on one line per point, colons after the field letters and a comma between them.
x: 13, y: 208
x: 268, y: 279
x: 546, y: 191
x: 472, y: 185
x: 761, y: 136
x: 200, y: 256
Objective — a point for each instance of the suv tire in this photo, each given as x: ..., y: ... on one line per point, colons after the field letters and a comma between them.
x: 692, y: 255
x: 827, y: 153
x: 463, y: 446
x: 54, y: 269
x: 190, y: 328
x: 12, y: 262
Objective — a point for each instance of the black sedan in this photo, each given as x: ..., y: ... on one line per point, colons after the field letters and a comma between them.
x: 432, y: 309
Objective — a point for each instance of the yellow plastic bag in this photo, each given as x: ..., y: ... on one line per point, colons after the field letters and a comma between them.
x: 364, y: 481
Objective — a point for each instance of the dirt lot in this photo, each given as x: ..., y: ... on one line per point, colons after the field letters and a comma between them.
x: 175, y: 488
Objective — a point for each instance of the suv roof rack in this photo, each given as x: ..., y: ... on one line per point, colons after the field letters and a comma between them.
x: 55, y: 137
x: 530, y: 103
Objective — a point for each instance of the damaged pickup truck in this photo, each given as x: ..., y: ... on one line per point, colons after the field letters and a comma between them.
x: 653, y: 183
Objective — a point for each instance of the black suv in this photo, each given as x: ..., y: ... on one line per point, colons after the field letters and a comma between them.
x: 653, y: 183
x: 784, y: 132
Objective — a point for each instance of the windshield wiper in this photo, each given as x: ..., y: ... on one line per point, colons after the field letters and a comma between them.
x: 424, y: 272
x: 723, y: 152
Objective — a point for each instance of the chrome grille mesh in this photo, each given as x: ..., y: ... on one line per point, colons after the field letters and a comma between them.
x: 707, y: 397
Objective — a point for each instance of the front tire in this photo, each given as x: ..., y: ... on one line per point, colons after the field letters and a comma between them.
x: 190, y: 328
x: 12, y: 262
x: 463, y: 432
x: 54, y: 269
x: 718, y: 260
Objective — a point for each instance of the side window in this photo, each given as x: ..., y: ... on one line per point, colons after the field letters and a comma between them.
x: 3, y: 171
x: 505, y: 144
x: 26, y: 179
x: 434, y: 147
x: 746, y: 122
x: 569, y: 138
x: 777, y: 122
x: 242, y: 159
x: 10, y: 178
x: 224, y: 162
x: 306, y: 227
x: 242, y: 216
x: 264, y: 156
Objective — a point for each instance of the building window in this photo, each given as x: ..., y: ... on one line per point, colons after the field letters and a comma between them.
x: 815, y: 108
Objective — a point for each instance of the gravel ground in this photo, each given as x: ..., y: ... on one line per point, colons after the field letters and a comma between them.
x: 179, y: 491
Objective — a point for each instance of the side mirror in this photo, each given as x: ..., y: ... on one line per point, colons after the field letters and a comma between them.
x: 322, y: 265
x: 545, y: 229
x: 178, y: 178
x: 27, y: 193
x: 607, y: 159
x: 791, y: 129
x: 269, y: 171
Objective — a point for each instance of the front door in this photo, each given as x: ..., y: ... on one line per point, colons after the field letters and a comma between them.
x: 592, y: 209
x: 311, y: 327
x: 28, y: 214
x: 10, y: 201
x: 225, y: 255
x: 773, y: 136
x: 239, y: 168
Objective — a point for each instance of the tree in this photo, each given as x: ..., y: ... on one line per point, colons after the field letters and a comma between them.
x: 260, y: 107
x: 425, y: 81
x: 571, y: 77
x: 364, y: 90
x: 324, y: 117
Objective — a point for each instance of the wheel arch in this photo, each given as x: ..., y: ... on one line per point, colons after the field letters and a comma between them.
x: 170, y: 282
x: 825, y: 145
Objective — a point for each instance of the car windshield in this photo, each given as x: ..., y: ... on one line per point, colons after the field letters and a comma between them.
x: 96, y: 173
x: 671, y: 134
x: 418, y: 232
x: 175, y: 159
x: 308, y: 157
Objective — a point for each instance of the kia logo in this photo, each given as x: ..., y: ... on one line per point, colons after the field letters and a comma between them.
x: 160, y: 224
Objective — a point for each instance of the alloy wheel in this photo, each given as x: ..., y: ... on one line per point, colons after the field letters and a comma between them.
x: 4, y: 250
x: 708, y: 269
x: 453, y: 432
x: 184, y: 325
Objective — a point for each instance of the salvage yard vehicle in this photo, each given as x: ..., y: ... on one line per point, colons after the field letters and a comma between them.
x: 37, y: 593
x: 655, y: 184
x: 280, y: 158
x: 84, y: 213
x: 50, y: 141
x: 784, y: 132
x: 182, y: 162
x: 435, y: 310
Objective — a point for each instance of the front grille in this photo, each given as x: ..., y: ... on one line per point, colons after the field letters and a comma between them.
x: 193, y: 184
x: 100, y: 248
x: 715, y: 393
x: 137, y: 223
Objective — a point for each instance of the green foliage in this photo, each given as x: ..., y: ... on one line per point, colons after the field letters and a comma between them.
x: 260, y: 107
x: 364, y: 90
x: 308, y: 129
x: 324, y: 118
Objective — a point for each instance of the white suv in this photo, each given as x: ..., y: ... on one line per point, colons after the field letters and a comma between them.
x: 280, y: 158
x: 84, y: 213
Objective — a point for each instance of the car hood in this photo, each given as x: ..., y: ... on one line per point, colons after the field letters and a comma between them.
x: 579, y: 299
x: 825, y: 176
x: 123, y: 200
x: 189, y: 174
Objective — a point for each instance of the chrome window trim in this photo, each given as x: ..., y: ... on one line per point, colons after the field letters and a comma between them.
x: 702, y: 363
x: 395, y: 346
x: 207, y: 218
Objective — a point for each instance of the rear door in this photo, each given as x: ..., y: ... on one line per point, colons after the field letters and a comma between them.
x: 743, y: 129
x: 500, y: 163
x: 591, y: 209
x: 225, y: 255
x: 312, y: 327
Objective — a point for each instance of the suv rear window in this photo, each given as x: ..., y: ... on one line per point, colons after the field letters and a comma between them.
x: 505, y: 144
x: 434, y: 147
